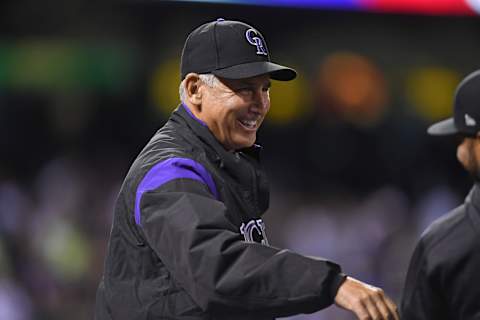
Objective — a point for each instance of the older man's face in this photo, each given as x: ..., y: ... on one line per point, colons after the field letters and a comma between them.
x: 235, y: 109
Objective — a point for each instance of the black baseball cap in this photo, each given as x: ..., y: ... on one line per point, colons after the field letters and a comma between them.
x: 231, y: 50
x: 466, y: 113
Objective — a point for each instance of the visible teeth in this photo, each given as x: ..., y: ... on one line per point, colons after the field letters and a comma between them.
x: 249, y: 123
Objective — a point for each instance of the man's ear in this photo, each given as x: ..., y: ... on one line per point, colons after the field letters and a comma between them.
x: 193, y: 89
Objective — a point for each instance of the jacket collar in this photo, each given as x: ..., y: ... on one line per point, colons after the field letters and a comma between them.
x: 238, y: 164
x: 200, y: 129
x: 473, y: 196
x: 472, y: 205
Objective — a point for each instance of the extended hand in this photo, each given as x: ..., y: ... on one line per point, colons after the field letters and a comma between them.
x: 365, y: 301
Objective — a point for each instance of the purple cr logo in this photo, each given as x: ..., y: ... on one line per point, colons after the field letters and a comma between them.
x: 254, y: 39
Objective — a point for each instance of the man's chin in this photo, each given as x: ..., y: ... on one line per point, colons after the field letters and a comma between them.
x: 475, y: 177
x: 245, y: 142
x: 241, y: 146
x: 244, y: 146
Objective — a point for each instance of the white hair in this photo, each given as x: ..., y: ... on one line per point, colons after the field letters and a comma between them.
x: 209, y: 79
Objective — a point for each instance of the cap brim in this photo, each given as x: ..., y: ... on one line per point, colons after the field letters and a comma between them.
x: 253, y: 69
x: 443, y: 128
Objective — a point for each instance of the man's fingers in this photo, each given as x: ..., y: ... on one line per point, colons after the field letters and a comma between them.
x: 381, y: 307
x: 392, y: 307
x: 361, y: 311
x: 365, y: 301
x: 381, y: 302
x: 373, y: 310
x: 384, y: 310
x: 387, y: 308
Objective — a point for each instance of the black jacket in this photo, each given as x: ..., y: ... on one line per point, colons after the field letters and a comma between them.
x: 443, y: 280
x: 188, y: 241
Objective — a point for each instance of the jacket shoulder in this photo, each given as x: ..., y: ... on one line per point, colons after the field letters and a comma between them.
x: 443, y: 227
x: 165, y: 143
x: 449, y: 238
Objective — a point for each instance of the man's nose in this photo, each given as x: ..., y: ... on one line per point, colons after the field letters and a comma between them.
x: 261, y: 100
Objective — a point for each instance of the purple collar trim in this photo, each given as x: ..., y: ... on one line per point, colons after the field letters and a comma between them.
x: 192, y: 115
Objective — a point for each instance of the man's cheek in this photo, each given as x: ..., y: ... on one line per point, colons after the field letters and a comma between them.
x: 461, y: 154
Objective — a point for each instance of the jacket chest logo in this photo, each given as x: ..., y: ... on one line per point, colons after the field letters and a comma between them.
x: 254, y: 231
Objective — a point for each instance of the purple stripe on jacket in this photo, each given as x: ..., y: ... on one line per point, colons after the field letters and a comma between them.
x: 171, y: 169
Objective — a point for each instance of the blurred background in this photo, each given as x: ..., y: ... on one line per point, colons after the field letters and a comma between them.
x: 354, y: 176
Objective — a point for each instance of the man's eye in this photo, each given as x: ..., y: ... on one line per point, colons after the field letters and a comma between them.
x: 245, y: 90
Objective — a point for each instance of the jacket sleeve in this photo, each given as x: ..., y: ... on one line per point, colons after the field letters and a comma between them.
x: 190, y: 232
x: 421, y: 299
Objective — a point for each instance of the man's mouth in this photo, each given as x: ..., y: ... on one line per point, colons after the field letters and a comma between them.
x: 249, y: 124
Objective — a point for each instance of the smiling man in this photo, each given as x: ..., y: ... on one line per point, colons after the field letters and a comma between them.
x: 236, y: 107
x: 188, y: 240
